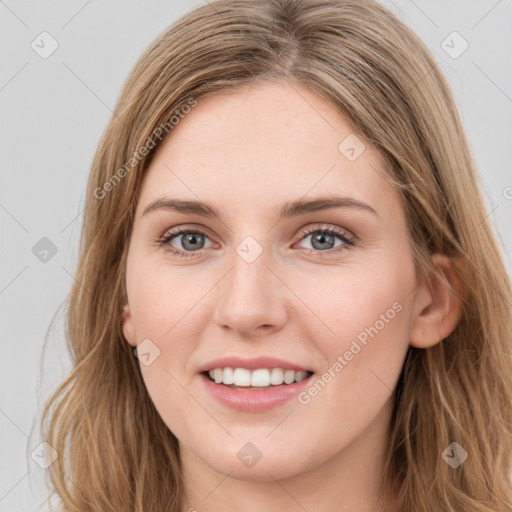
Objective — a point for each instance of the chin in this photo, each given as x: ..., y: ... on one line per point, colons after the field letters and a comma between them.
x: 243, y: 461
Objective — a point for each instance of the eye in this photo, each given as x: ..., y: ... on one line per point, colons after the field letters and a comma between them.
x: 184, y: 242
x: 190, y: 240
x: 323, y: 239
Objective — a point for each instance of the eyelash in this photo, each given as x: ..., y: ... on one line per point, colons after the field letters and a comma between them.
x: 348, y: 242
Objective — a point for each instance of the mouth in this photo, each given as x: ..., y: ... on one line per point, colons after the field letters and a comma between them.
x: 254, y: 386
x: 257, y: 379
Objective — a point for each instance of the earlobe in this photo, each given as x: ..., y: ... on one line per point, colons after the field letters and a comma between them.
x: 438, y: 304
x: 128, y: 330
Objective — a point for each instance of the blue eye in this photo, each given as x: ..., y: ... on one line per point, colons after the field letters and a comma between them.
x: 327, y: 237
x: 191, y: 241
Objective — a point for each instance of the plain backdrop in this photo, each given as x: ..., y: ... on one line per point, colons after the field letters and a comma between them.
x: 53, y: 112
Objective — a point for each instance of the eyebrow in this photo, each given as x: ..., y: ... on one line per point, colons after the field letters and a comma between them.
x: 289, y: 209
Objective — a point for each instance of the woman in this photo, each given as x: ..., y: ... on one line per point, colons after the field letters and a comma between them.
x: 337, y: 340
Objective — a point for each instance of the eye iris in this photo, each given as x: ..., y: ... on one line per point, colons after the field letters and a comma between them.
x: 321, y: 238
x: 191, y: 238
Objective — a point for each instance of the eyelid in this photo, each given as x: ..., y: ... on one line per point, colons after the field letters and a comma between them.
x: 302, y: 231
x: 177, y: 230
x: 337, y: 230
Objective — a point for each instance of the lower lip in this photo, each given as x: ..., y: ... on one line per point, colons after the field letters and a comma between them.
x: 254, y: 400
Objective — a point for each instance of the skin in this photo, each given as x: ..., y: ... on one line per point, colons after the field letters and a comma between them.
x: 248, y: 151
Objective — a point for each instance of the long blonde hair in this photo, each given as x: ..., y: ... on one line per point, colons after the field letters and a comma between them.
x: 114, y: 450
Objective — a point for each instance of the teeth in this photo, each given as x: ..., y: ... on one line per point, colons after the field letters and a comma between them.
x: 289, y: 376
x: 228, y: 376
x: 277, y: 376
x: 301, y: 375
x: 241, y: 377
x: 260, y: 378
x: 217, y: 375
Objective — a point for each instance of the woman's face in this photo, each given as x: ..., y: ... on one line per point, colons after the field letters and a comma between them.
x: 299, y: 268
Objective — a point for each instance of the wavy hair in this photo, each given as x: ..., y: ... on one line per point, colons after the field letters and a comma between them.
x: 114, y: 450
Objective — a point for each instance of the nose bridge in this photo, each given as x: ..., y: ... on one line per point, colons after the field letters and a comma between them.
x: 251, y: 294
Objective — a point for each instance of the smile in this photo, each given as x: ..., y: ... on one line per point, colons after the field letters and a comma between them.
x: 253, y: 385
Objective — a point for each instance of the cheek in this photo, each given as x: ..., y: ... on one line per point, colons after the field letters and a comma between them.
x: 349, y: 299
x: 165, y: 300
x: 164, y: 307
x: 363, y: 339
x: 167, y: 311
x: 362, y: 324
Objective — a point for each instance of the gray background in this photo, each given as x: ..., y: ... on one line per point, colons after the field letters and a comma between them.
x: 54, y: 111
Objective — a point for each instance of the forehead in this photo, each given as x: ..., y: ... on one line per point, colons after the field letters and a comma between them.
x: 269, y: 141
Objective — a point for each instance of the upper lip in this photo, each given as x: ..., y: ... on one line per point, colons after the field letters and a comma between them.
x: 252, y: 364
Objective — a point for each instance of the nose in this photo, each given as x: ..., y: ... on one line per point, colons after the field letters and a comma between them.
x: 253, y: 298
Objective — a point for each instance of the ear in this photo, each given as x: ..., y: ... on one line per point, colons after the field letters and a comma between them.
x: 438, y: 307
x: 128, y: 330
